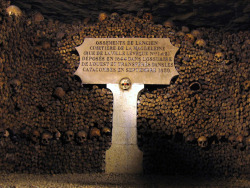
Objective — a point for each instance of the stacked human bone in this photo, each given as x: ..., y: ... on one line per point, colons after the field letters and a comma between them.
x: 51, y: 124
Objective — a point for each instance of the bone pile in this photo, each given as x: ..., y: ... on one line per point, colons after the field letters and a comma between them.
x: 49, y: 123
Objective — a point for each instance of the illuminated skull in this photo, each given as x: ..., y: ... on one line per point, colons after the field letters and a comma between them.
x: 125, y: 83
x: 219, y: 57
x: 202, y: 142
x: 13, y: 10
x: 114, y: 16
x: 189, y: 37
x: 81, y: 137
x: 102, y: 16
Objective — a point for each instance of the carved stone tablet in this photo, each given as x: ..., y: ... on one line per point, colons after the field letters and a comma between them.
x: 125, y: 65
x: 142, y: 60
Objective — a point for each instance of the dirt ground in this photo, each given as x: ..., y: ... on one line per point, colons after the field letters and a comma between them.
x: 100, y: 180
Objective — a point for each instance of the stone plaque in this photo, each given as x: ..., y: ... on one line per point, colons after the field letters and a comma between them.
x: 125, y: 65
x: 142, y: 60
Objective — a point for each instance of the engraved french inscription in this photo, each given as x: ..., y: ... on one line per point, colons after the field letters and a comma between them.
x: 142, y: 60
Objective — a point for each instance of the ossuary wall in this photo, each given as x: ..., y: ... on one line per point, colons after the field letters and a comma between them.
x: 50, y: 123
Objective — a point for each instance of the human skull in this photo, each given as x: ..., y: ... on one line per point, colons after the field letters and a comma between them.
x: 125, y: 83
x: 200, y: 43
x: 102, y: 16
x: 68, y: 136
x: 189, y: 37
x: 185, y: 29
x: 190, y: 139
x: 240, y: 142
x: 202, y: 142
x: 232, y: 140
x: 114, y: 16
x: 35, y: 136
x: 81, y: 137
x: 46, y: 138
x: 219, y: 57
x: 95, y: 133
x: 168, y: 24
x: 14, y: 10
x: 196, y: 33
x: 16, y: 85
x: 106, y: 131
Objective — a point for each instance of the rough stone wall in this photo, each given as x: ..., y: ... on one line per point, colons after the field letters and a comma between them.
x: 43, y: 106
x: 229, y: 14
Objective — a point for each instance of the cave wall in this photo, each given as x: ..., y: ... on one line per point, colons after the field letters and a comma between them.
x: 230, y: 14
x: 44, y: 107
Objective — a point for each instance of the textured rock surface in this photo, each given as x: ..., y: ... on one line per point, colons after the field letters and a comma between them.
x: 228, y: 14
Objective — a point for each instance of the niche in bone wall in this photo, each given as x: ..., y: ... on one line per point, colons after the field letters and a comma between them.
x: 51, y: 124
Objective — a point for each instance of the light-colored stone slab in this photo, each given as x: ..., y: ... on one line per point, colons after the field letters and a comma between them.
x: 142, y: 60
x: 124, y: 159
x: 124, y: 155
x: 120, y: 138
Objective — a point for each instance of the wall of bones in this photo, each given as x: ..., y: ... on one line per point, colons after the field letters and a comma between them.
x: 49, y: 123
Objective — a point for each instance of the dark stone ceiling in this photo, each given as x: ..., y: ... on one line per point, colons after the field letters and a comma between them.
x: 227, y: 14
